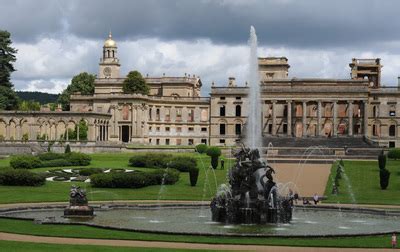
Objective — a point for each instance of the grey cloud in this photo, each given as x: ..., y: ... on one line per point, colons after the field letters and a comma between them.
x: 307, y: 23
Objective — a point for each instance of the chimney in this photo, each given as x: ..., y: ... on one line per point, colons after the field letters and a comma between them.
x: 232, y: 82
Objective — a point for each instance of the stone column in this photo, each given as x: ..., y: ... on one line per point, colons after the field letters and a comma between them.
x: 273, y: 118
x: 7, y: 132
x: 77, y: 132
x: 350, y: 116
x: 115, y: 120
x: 319, y: 119
x: 139, y: 120
x: 134, y: 119
x: 304, y: 119
x: 335, y: 118
x: 365, y: 126
x: 289, y: 118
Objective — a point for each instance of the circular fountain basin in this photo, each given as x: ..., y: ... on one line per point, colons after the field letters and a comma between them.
x: 197, y: 220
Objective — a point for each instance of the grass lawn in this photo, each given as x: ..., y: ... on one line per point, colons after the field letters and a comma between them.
x: 28, y: 227
x: 58, y: 191
x: 12, y: 246
x: 362, y: 185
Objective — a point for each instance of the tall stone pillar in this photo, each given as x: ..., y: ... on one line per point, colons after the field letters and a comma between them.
x: 77, y: 132
x: 115, y: 120
x: 319, y: 118
x: 273, y: 118
x: 7, y: 132
x: 335, y: 118
x: 134, y: 120
x: 365, y: 126
x: 304, y: 119
x: 350, y: 115
x: 289, y: 118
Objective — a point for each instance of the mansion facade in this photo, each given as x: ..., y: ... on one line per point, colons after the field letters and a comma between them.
x: 174, y: 113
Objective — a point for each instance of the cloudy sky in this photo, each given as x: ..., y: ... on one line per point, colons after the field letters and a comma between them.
x: 57, y: 39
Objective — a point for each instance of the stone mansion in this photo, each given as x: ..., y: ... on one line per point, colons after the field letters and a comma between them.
x: 175, y: 114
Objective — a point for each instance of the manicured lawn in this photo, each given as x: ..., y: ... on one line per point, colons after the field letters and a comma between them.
x: 363, y: 184
x: 58, y: 191
x: 12, y: 246
x: 27, y: 227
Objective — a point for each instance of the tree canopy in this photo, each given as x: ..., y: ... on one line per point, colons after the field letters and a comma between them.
x: 83, y: 83
x: 8, y: 98
x: 135, y: 84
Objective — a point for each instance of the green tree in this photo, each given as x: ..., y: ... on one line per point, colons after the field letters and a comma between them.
x: 83, y: 130
x: 29, y: 106
x: 8, y: 98
x: 83, y: 83
x: 135, y: 84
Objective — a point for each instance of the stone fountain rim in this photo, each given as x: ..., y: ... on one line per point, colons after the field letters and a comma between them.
x: 111, y: 206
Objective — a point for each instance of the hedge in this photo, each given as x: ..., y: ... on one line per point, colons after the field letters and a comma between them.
x: 201, y: 148
x: 21, y: 177
x: 394, y: 154
x: 90, y: 171
x: 25, y: 162
x: 50, y: 159
x: 181, y: 163
x: 134, y: 179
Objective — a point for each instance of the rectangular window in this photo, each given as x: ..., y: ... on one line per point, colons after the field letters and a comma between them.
x: 149, y: 140
x: 167, y: 129
x: 285, y: 128
x: 178, y: 129
x: 238, y: 129
x: 222, y: 141
x: 190, y: 141
x: 190, y: 129
x: 222, y: 110
x: 222, y: 129
x: 158, y: 141
x: 178, y: 141
x: 222, y: 98
x: 167, y: 141
x: 392, y: 113
x: 158, y: 129
x: 238, y: 98
x: 203, y: 129
x: 178, y: 114
x: 204, y: 141
x: 191, y: 115
x: 150, y: 128
x: 167, y: 114
x: 269, y: 128
x: 158, y: 114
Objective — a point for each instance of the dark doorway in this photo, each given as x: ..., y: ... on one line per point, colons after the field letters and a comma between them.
x: 125, y: 133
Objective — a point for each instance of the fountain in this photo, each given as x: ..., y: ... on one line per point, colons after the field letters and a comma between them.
x: 252, y: 195
x: 78, y: 204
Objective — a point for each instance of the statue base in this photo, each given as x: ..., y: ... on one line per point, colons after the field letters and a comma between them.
x: 78, y: 211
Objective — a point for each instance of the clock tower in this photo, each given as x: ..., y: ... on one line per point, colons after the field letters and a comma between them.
x: 109, y: 63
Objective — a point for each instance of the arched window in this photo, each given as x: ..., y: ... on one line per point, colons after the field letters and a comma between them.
x: 113, y: 53
x: 108, y: 53
x: 238, y: 110
x: 392, y: 130
x: 222, y: 110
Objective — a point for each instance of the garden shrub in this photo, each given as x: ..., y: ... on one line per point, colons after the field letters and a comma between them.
x: 67, y: 149
x: 382, y: 160
x: 148, y: 160
x: 50, y: 156
x: 134, y: 179
x: 214, y: 153
x: 50, y: 159
x: 55, y: 163
x: 90, y: 171
x: 201, y: 148
x: 384, y: 176
x: 25, y: 162
x: 193, y: 176
x: 77, y: 158
x: 21, y: 177
x: 394, y: 154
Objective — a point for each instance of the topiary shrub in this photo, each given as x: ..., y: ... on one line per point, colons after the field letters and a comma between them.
x: 134, y: 179
x: 90, y: 171
x: 384, y: 176
x: 214, y: 153
x: 382, y: 161
x: 394, y: 154
x: 67, y: 149
x: 193, y: 176
x: 201, y: 148
x: 21, y: 177
x: 182, y: 164
x: 25, y: 162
